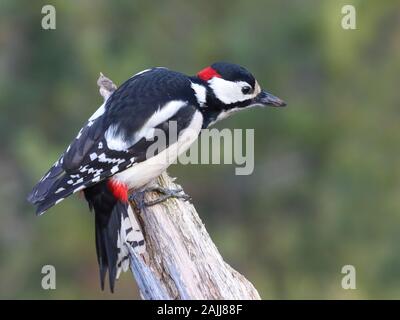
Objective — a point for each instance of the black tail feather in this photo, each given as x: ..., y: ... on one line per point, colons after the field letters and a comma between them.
x: 100, y: 250
x: 108, y: 212
x: 115, y: 225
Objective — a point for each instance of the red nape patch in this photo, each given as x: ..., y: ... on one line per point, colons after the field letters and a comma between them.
x: 208, y: 73
x: 118, y: 189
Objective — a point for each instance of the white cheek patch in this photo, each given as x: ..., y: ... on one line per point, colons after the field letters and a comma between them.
x: 257, y: 89
x: 229, y: 91
x: 201, y: 93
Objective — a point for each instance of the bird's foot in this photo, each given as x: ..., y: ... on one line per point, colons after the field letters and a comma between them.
x: 138, y: 197
x: 166, y: 194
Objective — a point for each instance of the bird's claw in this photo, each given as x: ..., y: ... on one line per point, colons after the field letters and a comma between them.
x: 138, y: 197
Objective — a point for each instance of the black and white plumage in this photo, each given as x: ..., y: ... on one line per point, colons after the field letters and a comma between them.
x: 109, y: 155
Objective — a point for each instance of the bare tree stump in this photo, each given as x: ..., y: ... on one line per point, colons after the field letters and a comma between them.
x: 181, y: 261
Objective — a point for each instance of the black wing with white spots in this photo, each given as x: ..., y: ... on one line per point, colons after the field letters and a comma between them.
x: 89, y: 160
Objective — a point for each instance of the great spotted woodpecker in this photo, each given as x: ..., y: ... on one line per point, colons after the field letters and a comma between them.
x: 108, y: 156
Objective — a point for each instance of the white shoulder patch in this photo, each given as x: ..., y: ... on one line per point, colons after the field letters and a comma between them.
x: 146, y: 70
x: 163, y: 113
x: 141, y: 72
x: 117, y: 142
x: 99, y: 112
x: 114, y: 140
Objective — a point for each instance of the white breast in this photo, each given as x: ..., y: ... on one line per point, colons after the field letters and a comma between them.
x: 144, y: 172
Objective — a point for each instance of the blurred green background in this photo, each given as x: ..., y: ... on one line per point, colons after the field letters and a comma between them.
x: 325, y: 191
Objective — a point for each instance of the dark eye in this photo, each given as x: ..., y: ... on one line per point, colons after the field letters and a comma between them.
x: 246, y: 90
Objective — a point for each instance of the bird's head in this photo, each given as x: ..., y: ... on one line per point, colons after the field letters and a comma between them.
x: 232, y: 88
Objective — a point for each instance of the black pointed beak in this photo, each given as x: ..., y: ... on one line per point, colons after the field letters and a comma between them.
x: 267, y: 99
